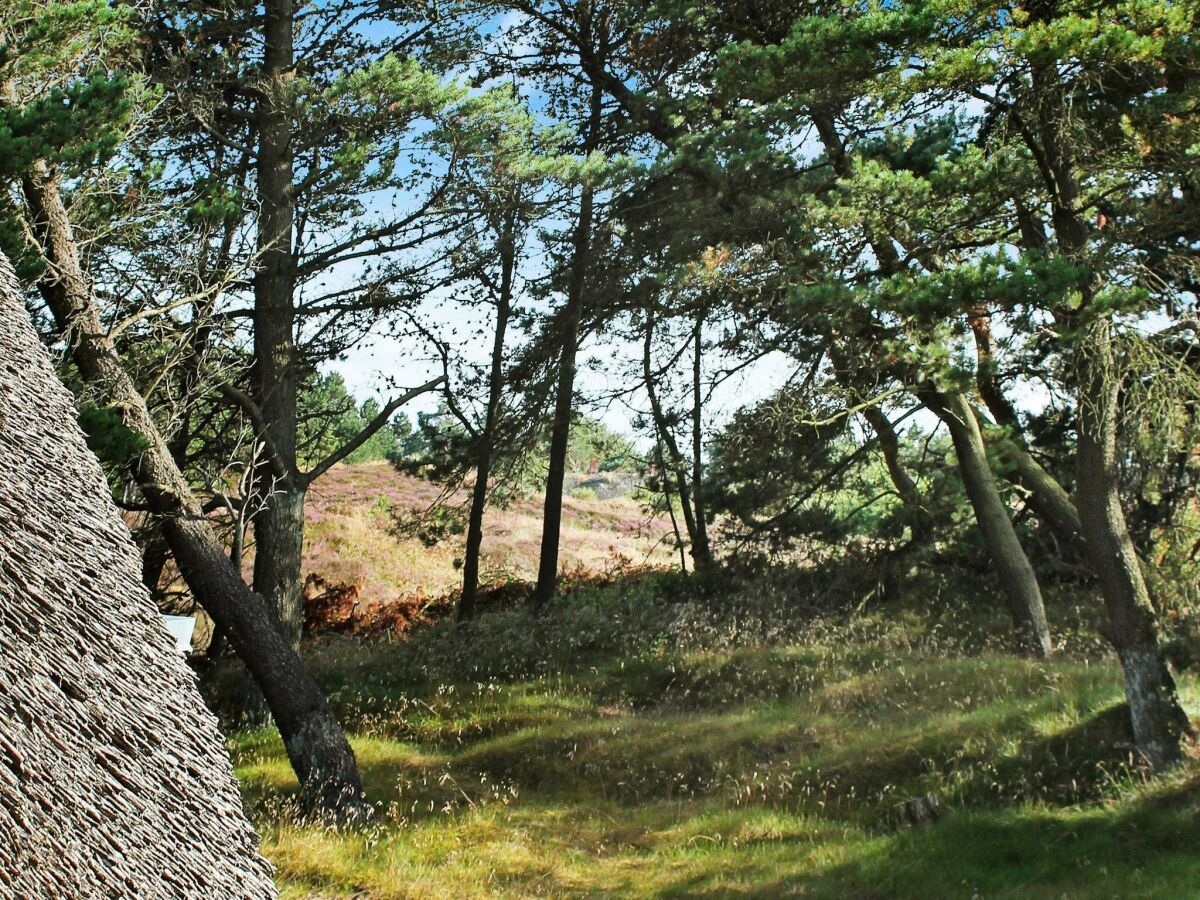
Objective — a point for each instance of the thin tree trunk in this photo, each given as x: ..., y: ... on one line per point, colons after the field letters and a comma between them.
x: 279, y: 523
x: 1017, y: 578
x: 658, y: 454
x: 315, y: 743
x: 667, y: 438
x: 483, y: 462
x: 889, y: 446
x: 1047, y: 497
x: 560, y: 431
x: 703, y: 549
x: 564, y: 398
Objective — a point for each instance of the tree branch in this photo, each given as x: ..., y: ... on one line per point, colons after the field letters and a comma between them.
x: 366, y: 434
x: 242, y: 399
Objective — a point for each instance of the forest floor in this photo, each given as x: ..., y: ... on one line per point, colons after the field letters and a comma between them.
x: 660, y: 737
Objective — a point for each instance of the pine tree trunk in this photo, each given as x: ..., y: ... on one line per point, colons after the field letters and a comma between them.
x: 670, y: 503
x: 279, y: 523
x: 1017, y: 578
x: 666, y: 438
x: 278, y: 556
x: 1049, y: 500
x: 889, y: 445
x: 315, y: 744
x: 564, y: 398
x: 702, y: 549
x: 1159, y: 722
x: 487, y: 437
x: 560, y: 431
x: 470, y: 590
x: 1160, y: 725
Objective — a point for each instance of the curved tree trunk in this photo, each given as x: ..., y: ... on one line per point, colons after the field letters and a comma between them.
x: 315, y: 743
x: 1160, y: 724
x: 889, y: 446
x: 1047, y: 497
x: 675, y: 462
x: 667, y: 492
x: 1017, y: 578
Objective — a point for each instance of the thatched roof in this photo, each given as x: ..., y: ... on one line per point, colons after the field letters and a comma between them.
x: 114, y: 781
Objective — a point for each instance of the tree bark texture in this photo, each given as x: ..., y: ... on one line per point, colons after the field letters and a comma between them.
x: 1047, y: 498
x: 1017, y: 578
x: 1160, y: 725
x: 560, y: 432
x: 279, y: 523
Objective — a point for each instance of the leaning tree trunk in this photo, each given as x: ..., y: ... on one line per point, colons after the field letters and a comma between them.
x: 1160, y: 724
x: 848, y: 376
x: 1048, y: 499
x: 698, y: 547
x: 315, y: 744
x: 279, y: 523
x: 1017, y: 578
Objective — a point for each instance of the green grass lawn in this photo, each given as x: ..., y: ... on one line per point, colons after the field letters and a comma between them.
x: 523, y: 758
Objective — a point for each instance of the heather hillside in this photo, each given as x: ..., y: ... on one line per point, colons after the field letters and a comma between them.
x: 397, y: 535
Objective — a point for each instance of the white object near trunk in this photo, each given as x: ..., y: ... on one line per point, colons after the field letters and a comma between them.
x: 181, y: 628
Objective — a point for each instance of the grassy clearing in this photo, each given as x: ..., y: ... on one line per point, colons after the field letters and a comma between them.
x: 636, y: 742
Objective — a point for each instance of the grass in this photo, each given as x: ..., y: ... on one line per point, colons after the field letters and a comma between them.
x: 748, y: 737
x: 351, y: 519
x: 653, y: 740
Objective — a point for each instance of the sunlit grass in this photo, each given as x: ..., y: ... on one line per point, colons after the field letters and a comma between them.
x: 713, y: 766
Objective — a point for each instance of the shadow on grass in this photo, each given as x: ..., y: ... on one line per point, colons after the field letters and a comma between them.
x: 1146, y: 849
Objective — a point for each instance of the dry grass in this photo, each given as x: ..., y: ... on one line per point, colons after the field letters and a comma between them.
x: 352, y: 535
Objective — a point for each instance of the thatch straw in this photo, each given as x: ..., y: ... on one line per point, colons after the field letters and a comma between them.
x: 114, y: 781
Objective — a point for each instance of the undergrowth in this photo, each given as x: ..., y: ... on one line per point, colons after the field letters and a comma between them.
x: 670, y: 736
